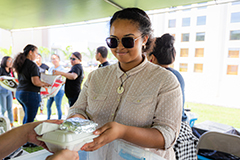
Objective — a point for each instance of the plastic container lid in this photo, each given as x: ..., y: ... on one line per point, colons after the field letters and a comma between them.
x: 58, y: 139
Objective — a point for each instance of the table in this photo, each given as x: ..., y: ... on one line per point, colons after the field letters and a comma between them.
x: 205, y: 126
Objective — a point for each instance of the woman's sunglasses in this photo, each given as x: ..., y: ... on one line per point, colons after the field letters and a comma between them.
x: 73, y: 59
x: 127, y: 42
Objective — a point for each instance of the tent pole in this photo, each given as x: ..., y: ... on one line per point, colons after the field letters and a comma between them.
x: 114, y: 4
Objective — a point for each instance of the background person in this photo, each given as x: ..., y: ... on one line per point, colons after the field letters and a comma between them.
x: 28, y: 90
x: 101, y: 56
x: 42, y: 66
x: 74, y: 78
x: 164, y: 55
x: 133, y: 101
x: 42, y: 69
x: 58, y: 98
x: 6, y: 97
x: 16, y: 137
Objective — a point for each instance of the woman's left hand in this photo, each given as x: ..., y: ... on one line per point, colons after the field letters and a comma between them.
x: 107, y: 133
x: 55, y: 72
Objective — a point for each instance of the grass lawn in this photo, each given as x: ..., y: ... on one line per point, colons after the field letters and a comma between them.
x: 224, y: 115
x: 32, y: 149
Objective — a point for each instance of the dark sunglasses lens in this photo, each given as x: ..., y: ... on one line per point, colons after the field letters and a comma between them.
x: 72, y: 59
x: 112, y: 42
x: 128, y: 42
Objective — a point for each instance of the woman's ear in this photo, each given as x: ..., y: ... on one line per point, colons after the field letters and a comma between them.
x: 154, y: 59
x: 145, y: 39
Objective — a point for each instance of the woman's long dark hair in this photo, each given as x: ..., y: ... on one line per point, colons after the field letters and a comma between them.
x: 21, y: 57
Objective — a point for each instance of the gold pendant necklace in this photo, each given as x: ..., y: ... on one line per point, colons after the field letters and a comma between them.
x: 120, y: 89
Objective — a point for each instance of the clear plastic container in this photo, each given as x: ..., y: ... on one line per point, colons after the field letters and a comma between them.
x: 58, y: 140
x: 130, y: 152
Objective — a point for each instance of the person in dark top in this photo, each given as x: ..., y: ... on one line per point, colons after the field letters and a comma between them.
x: 28, y: 90
x: 101, y: 56
x: 42, y: 67
x: 164, y: 55
x: 74, y: 78
x: 6, y: 97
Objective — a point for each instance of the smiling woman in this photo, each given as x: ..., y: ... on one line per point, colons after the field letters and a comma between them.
x: 137, y: 104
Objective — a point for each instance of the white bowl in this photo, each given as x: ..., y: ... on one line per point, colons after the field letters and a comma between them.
x: 58, y: 140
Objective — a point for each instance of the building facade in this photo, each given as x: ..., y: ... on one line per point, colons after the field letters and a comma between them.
x: 207, y: 42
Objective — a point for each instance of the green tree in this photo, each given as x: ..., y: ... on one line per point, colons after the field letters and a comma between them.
x: 90, y: 54
x: 44, y: 52
x: 67, y: 51
x: 6, y: 52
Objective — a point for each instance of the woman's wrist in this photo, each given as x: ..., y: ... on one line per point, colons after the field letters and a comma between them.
x: 123, y: 131
x: 44, y: 84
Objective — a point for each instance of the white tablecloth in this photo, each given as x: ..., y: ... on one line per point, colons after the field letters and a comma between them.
x: 39, y: 155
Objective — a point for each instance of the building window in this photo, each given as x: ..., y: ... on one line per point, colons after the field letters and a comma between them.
x: 233, y: 53
x: 183, y: 67
x: 185, y: 37
x: 235, y: 35
x: 235, y: 17
x: 185, y: 22
x: 232, y: 69
x: 200, y: 36
x: 198, y: 68
x: 184, y: 52
x: 204, y: 7
x: 236, y: 3
x: 172, y: 12
x: 203, y: 4
x: 199, y: 52
x: 171, y: 23
x: 188, y: 7
x: 201, y: 20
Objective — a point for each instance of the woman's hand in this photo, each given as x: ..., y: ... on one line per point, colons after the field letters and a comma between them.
x: 16, y: 137
x: 31, y: 134
x: 107, y: 133
x: 46, y: 84
x: 37, y: 82
x: 64, y: 155
x: 55, y: 72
